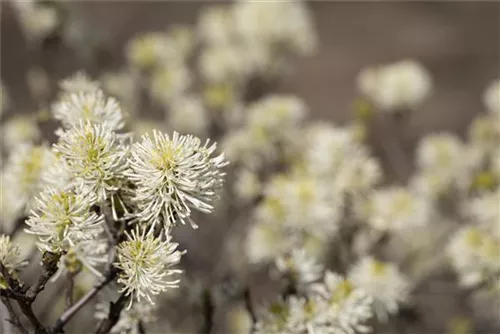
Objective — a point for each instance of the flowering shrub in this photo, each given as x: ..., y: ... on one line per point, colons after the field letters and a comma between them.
x: 95, y: 215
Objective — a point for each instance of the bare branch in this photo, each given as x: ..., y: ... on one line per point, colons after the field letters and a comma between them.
x: 115, y: 310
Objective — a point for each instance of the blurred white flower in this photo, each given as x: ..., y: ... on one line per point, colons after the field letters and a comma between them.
x: 138, y: 313
x: 266, y: 241
x: 224, y: 63
x: 282, y: 24
x: 276, y: 114
x: 146, y: 264
x: 347, y: 308
x: 328, y: 148
x: 247, y: 184
x: 484, y: 133
x: 94, y: 156
x: 397, y: 86
x: 37, y: 20
x: 491, y: 97
x: 273, y: 320
x: 10, y: 207
x: 173, y: 175
x: 187, y: 114
x: 62, y: 219
x: 156, y: 48
x: 238, y: 320
x: 484, y: 211
x: 301, y: 267
x: 91, y: 107
x: 302, y: 203
x: 78, y: 82
x: 443, y: 161
x: 384, y: 283
x: 439, y: 151
x: 10, y: 256
x: 169, y: 82
x: 397, y: 209
x: 20, y: 129
x: 475, y: 255
x: 24, y: 170
x: 216, y: 25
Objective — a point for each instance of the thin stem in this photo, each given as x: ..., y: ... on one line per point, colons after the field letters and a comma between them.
x: 14, y: 319
x: 248, y: 304
x: 69, y: 291
x: 208, y: 312
x: 49, y: 265
x: 115, y: 310
x: 69, y: 313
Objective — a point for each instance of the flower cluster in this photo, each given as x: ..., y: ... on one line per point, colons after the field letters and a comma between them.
x: 335, y: 305
x: 97, y: 199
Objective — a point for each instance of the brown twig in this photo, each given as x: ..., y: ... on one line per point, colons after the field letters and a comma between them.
x: 14, y: 319
x: 115, y: 310
x: 69, y: 313
x: 208, y: 311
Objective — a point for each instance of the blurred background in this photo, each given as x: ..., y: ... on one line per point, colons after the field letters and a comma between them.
x: 456, y: 41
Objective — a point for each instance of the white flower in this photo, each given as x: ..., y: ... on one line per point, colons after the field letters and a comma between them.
x: 265, y: 241
x: 247, y: 184
x: 145, y: 262
x: 273, y: 320
x: 129, y: 318
x: 475, y: 255
x: 94, y: 156
x: 281, y: 24
x: 484, y: 211
x: 439, y: 152
x: 20, y: 129
x: 443, y: 161
x: 397, y: 209
x: 37, y: 20
x: 349, y: 307
x: 91, y: 107
x: 327, y: 149
x: 394, y: 87
x: 11, y: 208
x: 491, y: 97
x: 216, y: 25
x: 79, y: 83
x: 10, y: 256
x: 302, y: 203
x: 173, y: 175
x: 383, y: 282
x: 169, y: 82
x: 302, y: 267
x: 57, y: 174
x: 187, y: 114
x: 484, y: 133
x: 224, y: 63
x: 276, y: 114
x: 63, y: 218
x: 24, y: 170
x: 155, y: 48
